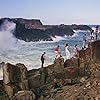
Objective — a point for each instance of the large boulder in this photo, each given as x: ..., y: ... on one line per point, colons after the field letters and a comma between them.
x: 59, y: 65
x: 14, y: 78
x: 39, y: 78
x: 59, y: 72
x: 23, y: 76
x: 24, y: 95
x: 34, y: 80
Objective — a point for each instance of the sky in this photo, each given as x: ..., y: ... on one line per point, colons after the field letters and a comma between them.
x: 53, y: 11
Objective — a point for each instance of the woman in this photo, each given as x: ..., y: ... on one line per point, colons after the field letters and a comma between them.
x: 57, y: 51
x: 67, y: 51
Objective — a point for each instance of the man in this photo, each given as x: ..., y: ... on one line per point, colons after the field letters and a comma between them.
x: 43, y: 58
x: 57, y: 51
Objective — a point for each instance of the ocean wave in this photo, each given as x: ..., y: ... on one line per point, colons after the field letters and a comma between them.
x: 93, y: 28
x: 78, y: 31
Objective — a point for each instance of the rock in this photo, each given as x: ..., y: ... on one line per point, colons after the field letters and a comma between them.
x: 34, y: 81
x: 71, y: 62
x: 88, y: 84
x: 59, y: 65
x: 41, y: 98
x: 24, y: 95
x: 83, y: 79
x: 33, y: 29
x: 23, y: 76
x: 14, y: 78
x: 39, y: 78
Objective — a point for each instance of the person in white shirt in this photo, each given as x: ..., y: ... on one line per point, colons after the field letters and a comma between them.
x: 67, y: 52
x: 92, y: 36
x: 96, y: 32
x: 76, y: 51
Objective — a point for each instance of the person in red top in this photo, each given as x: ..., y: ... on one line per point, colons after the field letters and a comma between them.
x: 57, y: 51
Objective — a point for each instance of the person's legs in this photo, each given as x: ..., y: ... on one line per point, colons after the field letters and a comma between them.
x: 42, y: 63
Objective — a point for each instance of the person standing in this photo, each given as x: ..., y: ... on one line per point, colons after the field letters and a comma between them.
x: 57, y: 51
x: 84, y: 41
x: 42, y: 59
x: 76, y: 51
x: 67, y: 51
x: 96, y: 32
x: 92, y: 36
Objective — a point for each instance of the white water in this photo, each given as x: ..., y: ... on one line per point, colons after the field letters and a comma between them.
x: 15, y: 51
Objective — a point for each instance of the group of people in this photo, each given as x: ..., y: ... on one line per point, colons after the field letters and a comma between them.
x: 67, y: 51
x: 93, y: 36
x: 58, y: 53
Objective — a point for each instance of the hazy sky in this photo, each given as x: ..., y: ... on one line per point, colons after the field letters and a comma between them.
x: 53, y: 11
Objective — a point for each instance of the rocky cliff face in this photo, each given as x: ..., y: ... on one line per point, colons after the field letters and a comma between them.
x: 80, y: 27
x: 60, y: 81
x: 33, y: 30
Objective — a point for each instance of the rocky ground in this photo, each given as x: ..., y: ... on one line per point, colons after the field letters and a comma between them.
x: 74, y: 79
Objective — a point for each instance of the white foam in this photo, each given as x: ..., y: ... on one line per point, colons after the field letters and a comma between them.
x: 93, y: 28
x: 7, y: 40
x: 57, y: 38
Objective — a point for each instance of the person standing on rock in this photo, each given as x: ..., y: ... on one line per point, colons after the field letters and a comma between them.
x: 96, y: 32
x: 76, y: 51
x: 84, y: 41
x: 92, y: 36
x: 67, y: 51
x: 57, y: 51
x: 42, y: 59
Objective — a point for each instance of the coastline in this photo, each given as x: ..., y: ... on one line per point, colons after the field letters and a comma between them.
x: 54, y: 80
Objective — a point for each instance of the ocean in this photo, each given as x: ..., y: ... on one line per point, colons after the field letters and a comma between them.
x: 16, y: 51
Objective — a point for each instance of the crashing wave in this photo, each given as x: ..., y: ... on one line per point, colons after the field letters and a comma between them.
x: 57, y: 38
x: 77, y: 31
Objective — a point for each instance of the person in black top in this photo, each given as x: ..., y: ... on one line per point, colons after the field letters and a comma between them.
x: 43, y: 58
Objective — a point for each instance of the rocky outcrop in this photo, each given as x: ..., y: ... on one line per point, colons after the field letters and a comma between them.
x: 59, y: 30
x: 59, y: 65
x: 24, y: 95
x: 80, y: 27
x: 14, y: 78
x: 59, y: 81
x: 87, y: 84
x: 33, y: 30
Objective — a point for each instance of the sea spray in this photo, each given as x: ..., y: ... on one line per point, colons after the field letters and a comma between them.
x: 7, y: 39
x: 29, y: 53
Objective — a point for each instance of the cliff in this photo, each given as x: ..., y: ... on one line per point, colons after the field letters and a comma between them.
x: 74, y: 79
x: 33, y: 29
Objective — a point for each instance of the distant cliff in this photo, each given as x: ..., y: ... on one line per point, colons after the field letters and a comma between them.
x: 33, y: 29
